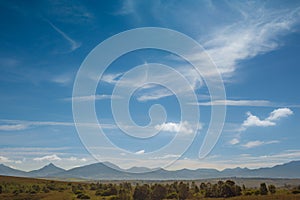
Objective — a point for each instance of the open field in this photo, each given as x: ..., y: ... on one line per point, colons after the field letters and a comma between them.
x: 17, y: 188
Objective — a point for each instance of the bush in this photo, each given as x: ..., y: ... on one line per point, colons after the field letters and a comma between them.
x: 257, y: 192
x: 83, y: 196
x: 46, y: 190
x: 272, y: 189
x: 78, y: 192
x: 172, y: 195
x: 296, y: 191
x: 263, y: 189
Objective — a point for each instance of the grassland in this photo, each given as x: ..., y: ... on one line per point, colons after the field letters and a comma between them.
x: 16, y: 188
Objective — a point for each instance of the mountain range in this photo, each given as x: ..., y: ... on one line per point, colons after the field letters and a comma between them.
x: 109, y: 171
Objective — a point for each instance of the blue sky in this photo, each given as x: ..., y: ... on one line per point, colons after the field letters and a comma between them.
x: 255, y: 46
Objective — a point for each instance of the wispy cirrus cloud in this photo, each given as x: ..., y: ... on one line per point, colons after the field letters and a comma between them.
x: 257, y: 143
x: 13, y: 127
x: 154, y: 91
x: 90, y: 97
x: 255, y: 30
x: 18, y: 125
x: 71, y: 13
x: 255, y: 33
x: 63, y: 79
x: 73, y: 44
x: 257, y: 103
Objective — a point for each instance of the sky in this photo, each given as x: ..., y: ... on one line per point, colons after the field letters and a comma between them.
x: 255, y: 46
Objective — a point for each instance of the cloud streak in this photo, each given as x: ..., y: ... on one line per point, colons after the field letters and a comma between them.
x: 18, y: 125
x: 255, y: 103
x: 257, y: 143
x: 90, y: 98
x: 73, y: 44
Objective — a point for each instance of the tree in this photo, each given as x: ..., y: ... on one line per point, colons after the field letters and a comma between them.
x: 158, y: 192
x: 263, y: 189
x: 123, y: 195
x: 194, y: 188
x: 141, y: 192
x: 0, y: 189
x: 272, y: 189
x: 203, y: 186
x: 183, y: 191
x: 244, y: 187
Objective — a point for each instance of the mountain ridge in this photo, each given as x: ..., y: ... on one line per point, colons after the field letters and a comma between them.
x: 46, y: 171
x: 109, y: 171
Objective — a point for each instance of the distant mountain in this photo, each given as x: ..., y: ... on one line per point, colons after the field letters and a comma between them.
x: 109, y: 171
x: 93, y: 171
x: 46, y: 171
x: 5, y: 170
x: 287, y: 170
x: 138, y: 170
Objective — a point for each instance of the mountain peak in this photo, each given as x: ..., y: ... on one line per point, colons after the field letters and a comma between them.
x: 50, y: 165
x: 47, y: 170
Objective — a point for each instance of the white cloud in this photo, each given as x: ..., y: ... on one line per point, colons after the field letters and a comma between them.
x: 140, y: 152
x: 275, y: 115
x: 167, y: 156
x: 253, y: 33
x: 63, y: 79
x: 13, y: 127
x: 18, y: 125
x: 279, y: 113
x: 154, y: 95
x: 72, y: 158
x: 257, y: 143
x: 227, y: 102
x: 252, y: 144
x: 234, y: 141
x: 183, y: 127
x: 256, y: 33
x: 53, y: 157
x: 253, y: 120
x: 251, y: 30
x: 110, y: 78
x: 90, y: 98
x: 4, y: 159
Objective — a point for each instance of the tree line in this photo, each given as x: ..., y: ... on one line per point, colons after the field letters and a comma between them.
x: 156, y: 191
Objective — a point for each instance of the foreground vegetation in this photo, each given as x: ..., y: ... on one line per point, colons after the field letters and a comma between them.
x: 26, y: 188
